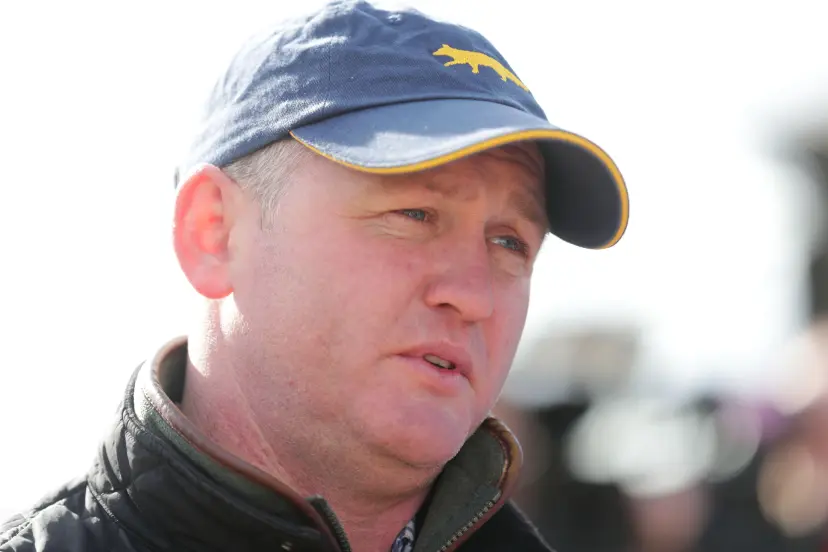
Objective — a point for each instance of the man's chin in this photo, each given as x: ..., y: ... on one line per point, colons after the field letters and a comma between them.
x: 429, y: 441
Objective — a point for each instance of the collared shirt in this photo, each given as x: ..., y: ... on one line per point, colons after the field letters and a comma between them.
x: 405, y: 540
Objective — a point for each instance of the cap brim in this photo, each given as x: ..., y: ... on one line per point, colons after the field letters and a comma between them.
x: 586, y: 197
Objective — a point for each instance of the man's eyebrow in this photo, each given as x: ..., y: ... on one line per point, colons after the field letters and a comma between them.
x: 530, y: 203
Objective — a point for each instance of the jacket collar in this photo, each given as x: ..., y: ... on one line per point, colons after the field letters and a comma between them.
x: 157, y: 469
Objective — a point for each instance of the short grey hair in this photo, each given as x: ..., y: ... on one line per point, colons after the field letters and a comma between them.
x: 266, y: 173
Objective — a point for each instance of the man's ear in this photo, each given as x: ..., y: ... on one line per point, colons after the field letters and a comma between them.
x: 204, y: 216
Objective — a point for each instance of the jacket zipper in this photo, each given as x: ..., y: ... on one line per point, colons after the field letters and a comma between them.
x: 472, y: 522
x: 339, y: 531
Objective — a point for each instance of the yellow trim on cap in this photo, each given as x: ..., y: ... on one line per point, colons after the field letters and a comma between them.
x: 500, y: 141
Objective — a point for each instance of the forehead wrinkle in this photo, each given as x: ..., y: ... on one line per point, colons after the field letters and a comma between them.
x: 526, y: 154
x: 453, y: 184
x: 440, y: 181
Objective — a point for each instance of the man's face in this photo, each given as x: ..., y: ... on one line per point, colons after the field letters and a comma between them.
x: 340, y: 303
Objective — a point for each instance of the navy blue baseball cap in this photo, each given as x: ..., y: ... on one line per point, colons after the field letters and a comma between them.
x: 393, y: 91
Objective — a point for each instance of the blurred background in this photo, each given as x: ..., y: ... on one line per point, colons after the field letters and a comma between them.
x: 670, y: 393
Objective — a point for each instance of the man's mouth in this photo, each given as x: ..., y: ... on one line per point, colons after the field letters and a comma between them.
x: 439, y: 362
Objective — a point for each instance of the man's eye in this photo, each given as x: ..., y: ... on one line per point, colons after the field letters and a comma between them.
x: 513, y: 244
x: 419, y: 215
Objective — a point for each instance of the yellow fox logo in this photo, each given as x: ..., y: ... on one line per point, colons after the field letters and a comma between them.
x: 475, y: 60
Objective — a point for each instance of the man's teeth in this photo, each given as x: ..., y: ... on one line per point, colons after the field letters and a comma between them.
x: 437, y: 361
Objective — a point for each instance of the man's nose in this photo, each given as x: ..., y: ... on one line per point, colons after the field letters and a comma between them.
x: 463, y: 281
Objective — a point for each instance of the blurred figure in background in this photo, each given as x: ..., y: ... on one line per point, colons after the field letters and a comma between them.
x: 671, y: 522
x: 635, y: 474
x: 793, y: 480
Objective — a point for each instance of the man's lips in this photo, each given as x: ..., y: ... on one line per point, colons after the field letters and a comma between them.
x: 444, y: 356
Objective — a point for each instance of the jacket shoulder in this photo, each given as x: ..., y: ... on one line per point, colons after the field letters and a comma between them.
x: 59, y: 522
x: 507, y: 531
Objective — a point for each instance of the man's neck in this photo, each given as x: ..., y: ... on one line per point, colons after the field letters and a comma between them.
x: 372, y: 500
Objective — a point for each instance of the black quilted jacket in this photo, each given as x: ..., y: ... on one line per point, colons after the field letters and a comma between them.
x: 160, y: 485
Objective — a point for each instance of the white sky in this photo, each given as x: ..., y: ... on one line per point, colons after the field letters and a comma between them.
x: 94, y: 97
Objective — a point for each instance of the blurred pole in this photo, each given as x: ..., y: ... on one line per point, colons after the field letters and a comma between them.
x: 806, y: 145
x: 818, y: 269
